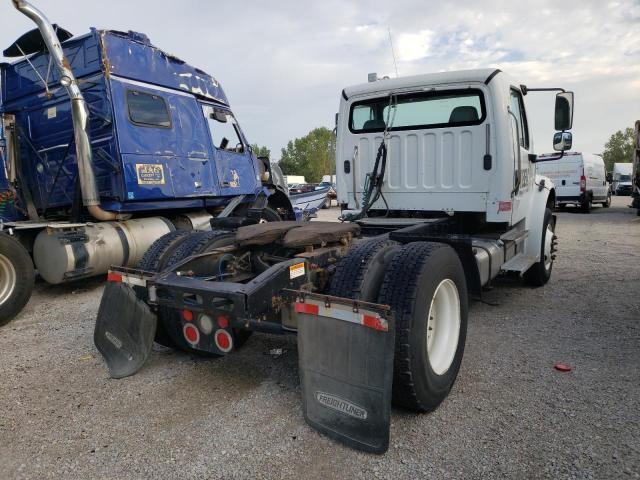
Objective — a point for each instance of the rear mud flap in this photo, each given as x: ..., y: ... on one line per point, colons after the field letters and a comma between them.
x: 346, y: 372
x: 124, y: 330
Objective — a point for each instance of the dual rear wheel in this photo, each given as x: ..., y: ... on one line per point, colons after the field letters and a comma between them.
x: 424, y: 283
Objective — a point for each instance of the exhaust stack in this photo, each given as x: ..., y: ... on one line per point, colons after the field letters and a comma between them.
x: 79, y: 113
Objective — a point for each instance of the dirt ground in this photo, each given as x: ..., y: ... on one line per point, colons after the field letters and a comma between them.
x: 510, y: 414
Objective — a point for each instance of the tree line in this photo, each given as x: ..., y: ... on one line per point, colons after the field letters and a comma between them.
x: 619, y: 148
x: 312, y: 155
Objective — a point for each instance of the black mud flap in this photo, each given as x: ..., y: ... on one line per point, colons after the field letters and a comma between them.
x: 346, y: 371
x: 124, y: 331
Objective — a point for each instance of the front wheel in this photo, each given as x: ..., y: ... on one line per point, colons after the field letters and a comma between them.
x: 426, y: 288
x: 540, y: 272
x: 17, y: 277
x: 607, y: 203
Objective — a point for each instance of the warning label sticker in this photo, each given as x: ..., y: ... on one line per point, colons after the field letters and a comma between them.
x: 296, y: 270
x: 150, y: 174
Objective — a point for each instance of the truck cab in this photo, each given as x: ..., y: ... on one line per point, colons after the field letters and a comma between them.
x: 459, y: 145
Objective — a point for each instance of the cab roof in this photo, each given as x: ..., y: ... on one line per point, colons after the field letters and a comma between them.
x: 483, y: 75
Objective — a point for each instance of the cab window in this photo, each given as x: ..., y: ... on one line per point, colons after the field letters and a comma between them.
x: 517, y: 107
x: 447, y: 108
x: 223, y: 129
x: 147, y: 109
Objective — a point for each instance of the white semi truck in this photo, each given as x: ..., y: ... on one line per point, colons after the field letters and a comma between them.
x: 436, y: 179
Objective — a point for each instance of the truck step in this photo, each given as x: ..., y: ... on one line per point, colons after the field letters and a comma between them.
x: 514, y: 236
x: 520, y: 263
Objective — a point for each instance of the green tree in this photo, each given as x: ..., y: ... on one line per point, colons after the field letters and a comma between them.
x: 312, y: 155
x: 618, y: 149
x: 260, y: 151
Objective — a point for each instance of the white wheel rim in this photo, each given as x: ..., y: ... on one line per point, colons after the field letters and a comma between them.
x: 7, y: 279
x: 443, y: 326
x: 548, y: 240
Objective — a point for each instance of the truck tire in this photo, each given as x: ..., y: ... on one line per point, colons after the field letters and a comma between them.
x: 17, y: 277
x: 360, y: 272
x: 607, y: 202
x: 540, y: 272
x: 426, y: 288
x: 168, y: 318
x: 586, y: 206
x: 270, y: 215
x: 155, y: 260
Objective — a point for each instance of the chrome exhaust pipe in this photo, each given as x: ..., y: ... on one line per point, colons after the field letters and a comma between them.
x: 79, y: 113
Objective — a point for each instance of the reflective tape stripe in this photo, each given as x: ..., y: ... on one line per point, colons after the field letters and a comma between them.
x: 130, y: 280
x: 114, y: 277
x: 363, y: 317
x: 305, y: 307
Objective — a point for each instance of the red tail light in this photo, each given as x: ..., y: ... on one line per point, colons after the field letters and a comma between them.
x: 223, y: 340
x: 583, y: 183
x: 191, y: 334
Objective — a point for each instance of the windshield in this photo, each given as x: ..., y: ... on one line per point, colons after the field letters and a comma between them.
x: 624, y: 178
x: 419, y: 110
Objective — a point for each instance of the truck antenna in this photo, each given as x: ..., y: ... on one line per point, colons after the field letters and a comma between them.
x: 393, y: 54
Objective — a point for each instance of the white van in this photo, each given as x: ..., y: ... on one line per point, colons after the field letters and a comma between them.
x: 580, y: 179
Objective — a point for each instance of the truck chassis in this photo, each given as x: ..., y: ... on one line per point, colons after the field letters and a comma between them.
x: 350, y: 286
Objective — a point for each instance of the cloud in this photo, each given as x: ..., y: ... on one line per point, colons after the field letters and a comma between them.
x: 415, y: 46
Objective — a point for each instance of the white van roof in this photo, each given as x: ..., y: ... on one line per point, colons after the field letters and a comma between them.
x: 575, y: 156
x: 566, y: 154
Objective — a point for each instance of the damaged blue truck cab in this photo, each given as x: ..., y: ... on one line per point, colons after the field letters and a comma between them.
x: 108, y: 145
x: 157, y: 128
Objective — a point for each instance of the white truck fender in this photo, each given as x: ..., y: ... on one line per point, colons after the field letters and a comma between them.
x: 543, y: 197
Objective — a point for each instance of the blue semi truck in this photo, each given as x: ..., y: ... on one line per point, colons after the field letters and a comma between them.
x: 108, y: 143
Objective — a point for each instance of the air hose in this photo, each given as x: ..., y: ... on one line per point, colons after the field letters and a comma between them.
x: 373, y: 182
x: 372, y: 185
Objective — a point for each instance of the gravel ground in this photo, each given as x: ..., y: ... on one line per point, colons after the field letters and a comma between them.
x: 510, y: 414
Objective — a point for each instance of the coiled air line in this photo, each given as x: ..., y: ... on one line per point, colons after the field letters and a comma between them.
x: 374, y: 180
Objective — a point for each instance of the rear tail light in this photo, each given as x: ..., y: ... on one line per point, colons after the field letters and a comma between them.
x: 583, y: 183
x: 223, y: 340
x: 206, y: 324
x: 223, y: 321
x: 191, y: 334
x: 187, y: 315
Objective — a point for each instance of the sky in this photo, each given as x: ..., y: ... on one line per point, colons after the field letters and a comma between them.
x: 283, y: 64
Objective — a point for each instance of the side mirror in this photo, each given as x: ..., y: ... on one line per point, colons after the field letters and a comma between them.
x: 221, y: 116
x: 564, y: 111
x: 562, y: 141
